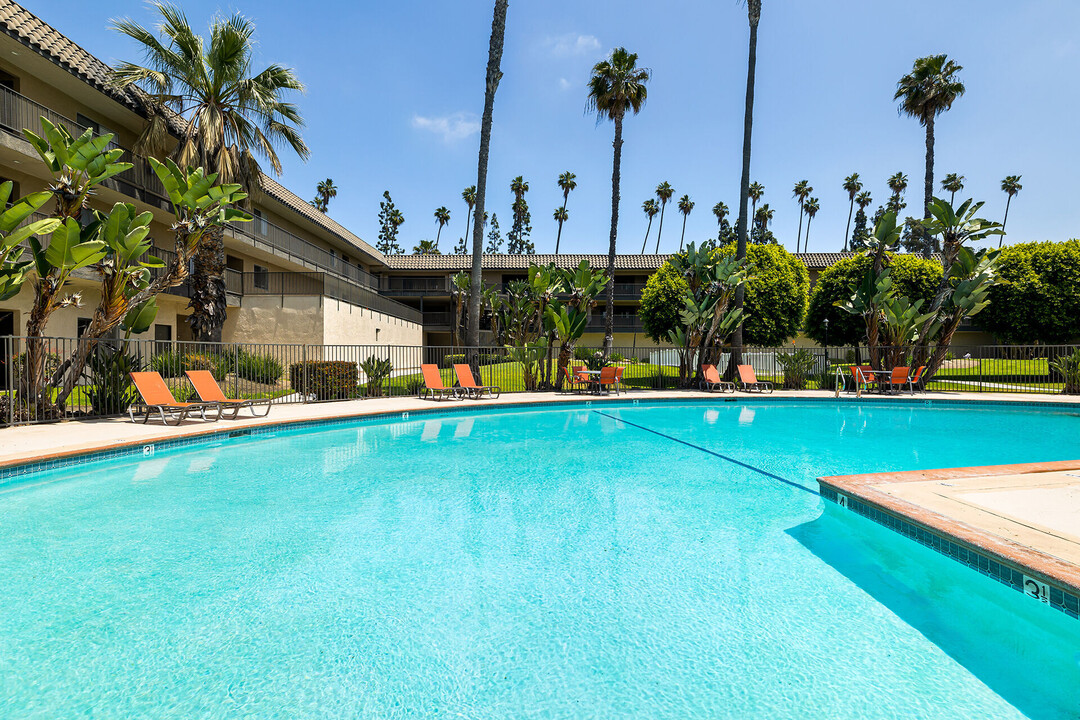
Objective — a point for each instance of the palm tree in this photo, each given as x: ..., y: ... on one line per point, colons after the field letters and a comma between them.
x: 228, y: 116
x: 518, y: 186
x: 757, y: 191
x: 927, y: 91
x: 324, y: 192
x: 801, y: 192
x: 1010, y: 186
x: 863, y: 199
x: 650, y: 208
x: 469, y: 196
x: 952, y: 184
x: 664, y: 191
x: 616, y: 85
x: 567, y: 183
x: 426, y: 247
x: 811, y: 208
x: 685, y: 206
x: 720, y: 210
x: 442, y: 217
x: 494, y: 75
x: 853, y: 186
x: 753, y: 14
x: 898, y: 184
x: 560, y: 216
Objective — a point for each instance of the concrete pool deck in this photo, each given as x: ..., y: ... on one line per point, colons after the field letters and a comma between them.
x: 1025, y: 516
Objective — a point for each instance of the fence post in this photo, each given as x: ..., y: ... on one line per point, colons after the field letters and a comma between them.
x: 304, y: 374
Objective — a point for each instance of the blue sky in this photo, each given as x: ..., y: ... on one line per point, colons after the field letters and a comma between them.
x: 394, y: 92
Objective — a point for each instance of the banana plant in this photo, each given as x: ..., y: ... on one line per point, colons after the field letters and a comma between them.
x: 76, y: 164
x: 14, y: 271
x: 531, y: 357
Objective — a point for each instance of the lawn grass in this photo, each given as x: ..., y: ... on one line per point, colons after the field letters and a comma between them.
x: 509, y: 377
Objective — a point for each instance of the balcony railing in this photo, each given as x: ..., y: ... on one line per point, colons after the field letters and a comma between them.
x: 317, y: 284
x: 438, y: 318
x: 621, y: 322
x: 415, y: 286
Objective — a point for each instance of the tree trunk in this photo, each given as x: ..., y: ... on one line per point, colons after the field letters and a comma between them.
x: 683, y: 236
x: 207, y: 301
x: 609, y: 313
x: 928, y: 187
x: 1001, y: 238
x: 798, y: 237
x: 558, y: 237
x: 494, y: 75
x: 744, y: 192
x: 847, y: 232
x: 806, y: 242
x: 648, y: 228
x: 438, y: 234
x: 660, y: 230
x: 465, y: 237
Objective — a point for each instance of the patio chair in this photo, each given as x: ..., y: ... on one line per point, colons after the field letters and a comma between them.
x: 710, y: 378
x: 862, y: 375
x: 574, y: 380
x: 469, y: 385
x: 209, y: 391
x: 155, y: 396
x: 915, y: 382
x: 434, y: 385
x: 610, y: 377
x: 748, y: 381
x: 900, y: 377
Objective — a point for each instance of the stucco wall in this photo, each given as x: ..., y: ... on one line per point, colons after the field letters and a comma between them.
x: 345, y: 324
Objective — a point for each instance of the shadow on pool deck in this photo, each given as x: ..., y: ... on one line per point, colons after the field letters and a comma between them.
x: 1018, y: 647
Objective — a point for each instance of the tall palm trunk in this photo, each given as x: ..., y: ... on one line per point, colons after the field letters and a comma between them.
x: 648, y: 228
x: 559, y: 236
x: 847, y: 232
x: 609, y: 313
x: 798, y: 237
x: 928, y: 186
x: 683, y: 236
x: 806, y: 242
x: 468, y: 217
x: 1001, y: 237
x: 494, y: 75
x: 660, y: 230
x: 438, y: 234
x: 208, y: 288
x: 744, y: 190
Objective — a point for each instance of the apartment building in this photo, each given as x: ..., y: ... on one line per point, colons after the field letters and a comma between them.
x: 293, y: 275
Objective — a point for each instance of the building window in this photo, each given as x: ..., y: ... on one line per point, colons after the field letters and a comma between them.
x: 94, y: 125
x: 163, y: 338
x: 261, y: 278
x: 261, y: 226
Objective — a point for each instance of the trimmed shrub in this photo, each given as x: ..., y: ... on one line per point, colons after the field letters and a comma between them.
x: 1037, y: 294
x: 259, y: 368
x: 616, y: 357
x: 661, y: 302
x: 491, y: 358
x: 914, y: 277
x: 326, y: 380
x: 449, y: 360
x: 776, y: 295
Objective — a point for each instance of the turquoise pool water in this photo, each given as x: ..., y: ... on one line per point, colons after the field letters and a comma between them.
x: 659, y: 561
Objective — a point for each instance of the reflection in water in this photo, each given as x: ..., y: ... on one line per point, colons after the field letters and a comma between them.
x: 464, y: 428
x: 985, y: 626
x: 746, y: 415
x: 431, y: 430
x: 712, y: 415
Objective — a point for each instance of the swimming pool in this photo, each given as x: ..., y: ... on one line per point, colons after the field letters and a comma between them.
x: 662, y: 560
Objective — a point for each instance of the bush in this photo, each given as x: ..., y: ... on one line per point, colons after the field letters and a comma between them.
x: 914, y: 277
x: 661, y: 302
x: 326, y: 380
x: 776, y: 295
x: 583, y: 353
x: 110, y: 388
x: 615, y: 357
x: 449, y: 360
x: 168, y: 364
x: 1068, y: 368
x: 52, y: 363
x: 491, y: 358
x: 1037, y: 294
x: 218, y: 365
x: 376, y: 369
x: 413, y: 385
x: 259, y: 368
x: 798, y: 366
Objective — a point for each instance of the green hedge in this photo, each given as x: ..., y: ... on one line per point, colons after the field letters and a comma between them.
x: 1037, y: 294
x: 326, y: 380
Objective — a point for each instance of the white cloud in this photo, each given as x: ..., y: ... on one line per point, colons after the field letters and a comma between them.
x: 564, y: 84
x: 573, y: 44
x: 451, y: 128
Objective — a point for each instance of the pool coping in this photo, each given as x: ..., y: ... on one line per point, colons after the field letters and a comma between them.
x: 18, y: 465
x: 1030, y: 571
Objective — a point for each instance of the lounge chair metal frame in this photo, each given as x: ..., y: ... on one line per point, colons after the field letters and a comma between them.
x: 178, y: 410
x: 234, y: 404
x: 474, y: 391
x: 755, y: 385
x: 707, y: 385
x: 437, y: 393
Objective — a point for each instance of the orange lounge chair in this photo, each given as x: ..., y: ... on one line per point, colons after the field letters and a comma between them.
x: 209, y: 391
x: 710, y: 378
x: 748, y: 381
x: 156, y: 396
x: 468, y: 384
x: 900, y: 377
x: 434, y: 385
x: 915, y: 381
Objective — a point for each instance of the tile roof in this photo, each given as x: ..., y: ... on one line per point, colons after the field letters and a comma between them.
x: 33, y: 32
x: 294, y: 202
x: 521, y: 262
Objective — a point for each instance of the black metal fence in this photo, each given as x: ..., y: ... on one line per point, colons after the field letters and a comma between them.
x: 284, y: 373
